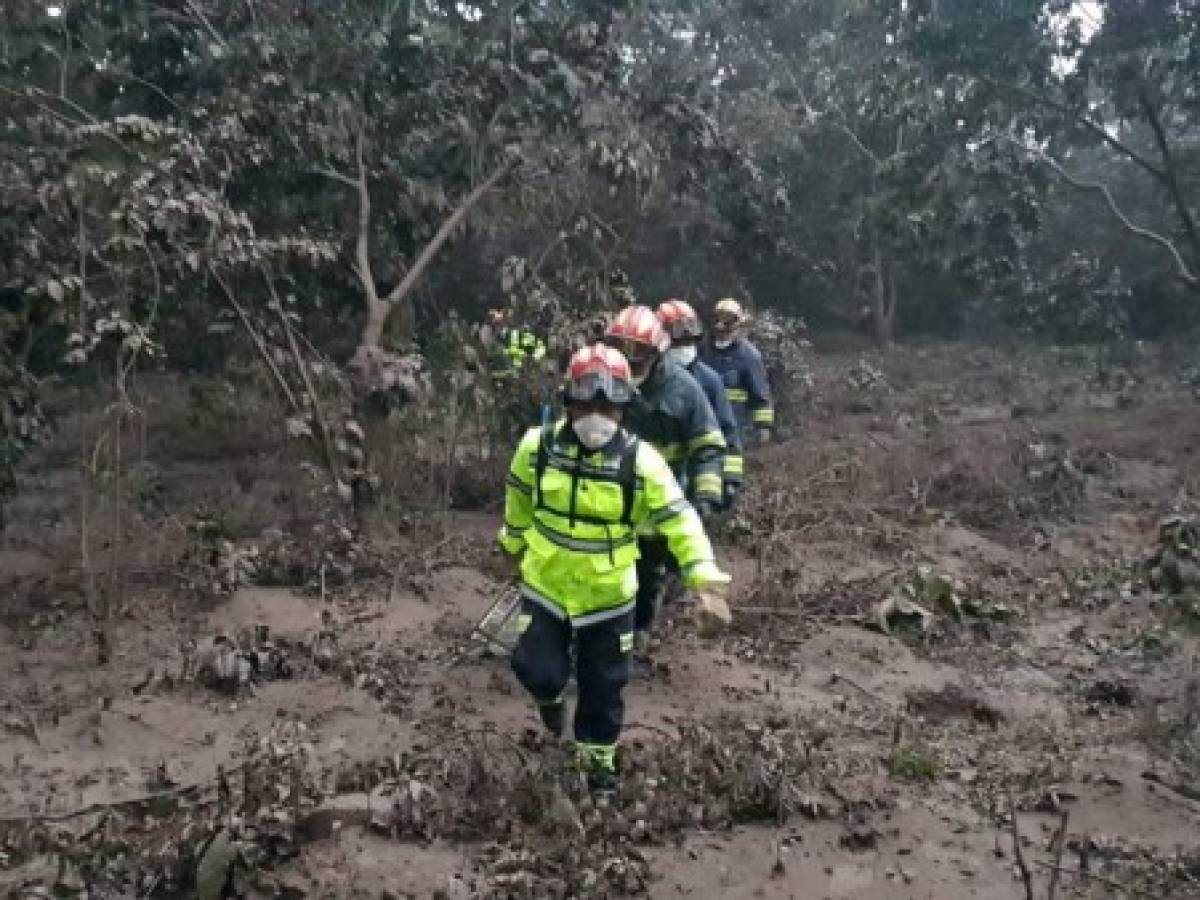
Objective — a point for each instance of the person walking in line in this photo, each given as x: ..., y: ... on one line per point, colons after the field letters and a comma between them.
x: 579, y: 492
x: 671, y: 412
x: 686, y: 331
x: 740, y: 366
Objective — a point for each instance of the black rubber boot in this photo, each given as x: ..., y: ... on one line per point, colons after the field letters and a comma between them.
x: 602, y: 782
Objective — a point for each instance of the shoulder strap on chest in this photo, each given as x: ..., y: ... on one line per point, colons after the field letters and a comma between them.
x: 626, y: 471
x: 627, y: 478
x: 541, y: 461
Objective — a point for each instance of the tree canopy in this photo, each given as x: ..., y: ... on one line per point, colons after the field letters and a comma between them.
x: 173, y: 172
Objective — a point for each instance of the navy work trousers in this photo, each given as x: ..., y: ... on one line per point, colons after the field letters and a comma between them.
x: 542, y: 663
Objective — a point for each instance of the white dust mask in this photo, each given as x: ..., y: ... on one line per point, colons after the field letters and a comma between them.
x: 595, y: 430
x: 685, y: 356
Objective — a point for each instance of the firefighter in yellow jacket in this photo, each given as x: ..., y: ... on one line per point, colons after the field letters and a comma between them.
x: 579, y: 492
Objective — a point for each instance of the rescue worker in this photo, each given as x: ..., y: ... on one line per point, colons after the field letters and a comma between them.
x: 671, y: 412
x: 517, y: 348
x: 518, y: 345
x: 686, y: 331
x: 579, y: 491
x: 740, y: 366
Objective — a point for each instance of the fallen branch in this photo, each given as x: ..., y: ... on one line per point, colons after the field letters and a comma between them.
x: 1059, y: 844
x: 654, y: 729
x: 837, y: 677
x: 1099, y: 879
x: 142, y: 800
x: 770, y: 611
x: 1182, y: 790
x: 30, y: 723
x: 1022, y: 866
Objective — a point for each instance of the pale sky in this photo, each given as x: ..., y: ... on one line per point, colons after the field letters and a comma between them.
x: 1089, y: 14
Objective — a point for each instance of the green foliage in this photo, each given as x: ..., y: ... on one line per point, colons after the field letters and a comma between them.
x: 915, y: 761
x: 22, y: 423
x: 379, y: 164
x: 1080, y: 303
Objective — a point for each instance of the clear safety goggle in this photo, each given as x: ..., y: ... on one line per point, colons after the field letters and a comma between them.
x: 599, y: 384
x: 685, y: 329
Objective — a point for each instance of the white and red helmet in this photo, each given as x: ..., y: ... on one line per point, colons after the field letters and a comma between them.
x: 639, y: 325
x: 638, y: 334
x: 599, y: 371
x: 680, y: 320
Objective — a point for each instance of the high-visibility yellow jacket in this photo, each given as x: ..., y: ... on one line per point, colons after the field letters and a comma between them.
x: 520, y: 345
x: 574, y: 516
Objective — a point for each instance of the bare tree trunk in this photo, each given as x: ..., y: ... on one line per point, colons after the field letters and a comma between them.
x: 114, y: 597
x: 1179, y: 197
x: 883, y: 299
x: 87, y: 571
x: 378, y: 311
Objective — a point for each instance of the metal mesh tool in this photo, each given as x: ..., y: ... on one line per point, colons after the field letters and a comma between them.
x: 498, y: 627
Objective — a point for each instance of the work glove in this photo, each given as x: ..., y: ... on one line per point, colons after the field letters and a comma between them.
x: 763, y: 435
x: 713, y: 615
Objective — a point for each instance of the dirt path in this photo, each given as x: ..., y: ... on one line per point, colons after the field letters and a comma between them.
x: 803, y: 755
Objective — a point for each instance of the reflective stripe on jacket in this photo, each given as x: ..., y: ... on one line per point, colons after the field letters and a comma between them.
x: 741, y: 369
x: 577, y: 556
x: 714, y: 390
x: 672, y: 413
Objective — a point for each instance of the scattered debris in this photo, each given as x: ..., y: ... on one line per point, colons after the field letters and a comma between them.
x: 1112, y: 692
x: 859, y: 839
x: 224, y: 664
x: 866, y: 378
x: 898, y: 612
x: 923, y: 595
x: 1174, y: 564
x: 951, y: 702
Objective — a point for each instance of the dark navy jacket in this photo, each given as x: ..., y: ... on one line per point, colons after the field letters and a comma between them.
x: 741, y: 369
x: 672, y: 413
x: 714, y: 390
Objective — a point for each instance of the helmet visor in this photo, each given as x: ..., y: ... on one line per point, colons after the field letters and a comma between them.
x: 685, y: 330
x: 603, y: 385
